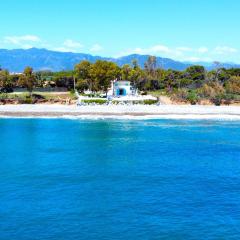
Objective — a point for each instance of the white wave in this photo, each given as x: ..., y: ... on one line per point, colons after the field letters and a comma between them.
x: 223, y: 117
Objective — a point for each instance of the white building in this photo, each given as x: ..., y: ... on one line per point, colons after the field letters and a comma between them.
x: 122, y: 88
x: 120, y: 91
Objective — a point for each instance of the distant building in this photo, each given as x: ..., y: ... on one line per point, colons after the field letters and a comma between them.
x: 121, y: 88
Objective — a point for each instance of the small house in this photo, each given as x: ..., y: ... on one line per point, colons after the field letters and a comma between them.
x: 122, y: 88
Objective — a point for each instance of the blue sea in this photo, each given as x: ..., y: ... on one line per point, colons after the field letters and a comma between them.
x: 68, y: 179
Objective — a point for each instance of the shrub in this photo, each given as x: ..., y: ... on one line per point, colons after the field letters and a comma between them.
x: 6, y: 89
x: 180, y: 94
x: 37, y: 96
x: 145, y: 102
x: 233, y: 85
x: 28, y: 100
x: 97, y: 101
x: 228, y: 98
x: 3, y: 96
x: 192, y: 97
x: 218, y: 99
x: 211, y: 90
x: 72, y: 91
x: 150, y: 102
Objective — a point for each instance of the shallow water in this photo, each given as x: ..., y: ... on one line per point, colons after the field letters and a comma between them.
x: 119, y: 179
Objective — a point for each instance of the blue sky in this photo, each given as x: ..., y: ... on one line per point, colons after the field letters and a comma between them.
x: 187, y: 30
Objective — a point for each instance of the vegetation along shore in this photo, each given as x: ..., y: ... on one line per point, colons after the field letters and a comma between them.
x: 194, y: 85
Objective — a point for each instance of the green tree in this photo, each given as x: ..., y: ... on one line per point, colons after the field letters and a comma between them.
x: 217, y: 70
x: 233, y: 72
x: 171, y: 80
x: 126, y: 72
x: 196, y: 75
x: 151, y: 65
x: 82, y: 85
x: 28, y: 79
x: 83, y: 76
x: 135, y: 64
x: 4, y: 79
x: 135, y: 75
x: 103, y: 72
x: 64, y: 79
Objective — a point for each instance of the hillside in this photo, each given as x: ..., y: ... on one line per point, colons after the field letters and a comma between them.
x: 42, y: 59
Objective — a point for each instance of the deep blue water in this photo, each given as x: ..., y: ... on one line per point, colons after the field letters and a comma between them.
x: 111, y: 179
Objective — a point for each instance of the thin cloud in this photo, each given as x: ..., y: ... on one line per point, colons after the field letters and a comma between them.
x: 184, y: 49
x: 157, y: 49
x: 62, y: 49
x: 69, y: 45
x: 184, y: 53
x: 202, y: 50
x: 72, y: 44
x: 21, y: 40
x: 181, y: 53
x: 96, y: 48
x: 225, y: 50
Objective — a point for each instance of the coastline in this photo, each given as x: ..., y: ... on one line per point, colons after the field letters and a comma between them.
x: 121, y: 111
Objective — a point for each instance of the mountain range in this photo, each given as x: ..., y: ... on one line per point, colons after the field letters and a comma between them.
x: 42, y: 59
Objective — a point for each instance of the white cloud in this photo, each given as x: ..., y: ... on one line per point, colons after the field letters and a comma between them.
x: 181, y: 53
x: 196, y: 59
x: 192, y: 59
x: 202, y: 50
x: 138, y: 50
x: 61, y: 49
x: 225, y: 50
x: 157, y: 49
x: 96, y: 48
x: 184, y: 53
x: 72, y: 44
x: 184, y: 49
x: 27, y: 46
x: 21, y: 40
x: 69, y: 46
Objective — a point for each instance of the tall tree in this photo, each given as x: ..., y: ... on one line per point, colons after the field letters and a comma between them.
x: 126, y: 71
x: 151, y: 65
x: 4, y: 78
x: 28, y: 79
x: 135, y: 63
x: 83, y: 75
x: 196, y: 75
x: 103, y: 72
x: 218, y: 69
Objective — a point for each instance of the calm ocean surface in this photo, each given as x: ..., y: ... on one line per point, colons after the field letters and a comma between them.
x: 119, y: 179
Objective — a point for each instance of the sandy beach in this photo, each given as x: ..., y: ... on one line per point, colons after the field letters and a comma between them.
x: 123, y: 111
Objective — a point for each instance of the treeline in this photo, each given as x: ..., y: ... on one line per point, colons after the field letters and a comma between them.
x: 192, y: 84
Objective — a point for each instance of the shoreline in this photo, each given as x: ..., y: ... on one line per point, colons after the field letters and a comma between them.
x: 121, y: 111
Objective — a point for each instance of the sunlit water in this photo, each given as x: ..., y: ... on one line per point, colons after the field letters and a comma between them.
x: 119, y: 179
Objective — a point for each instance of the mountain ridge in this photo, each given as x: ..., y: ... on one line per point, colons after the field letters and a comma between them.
x: 16, y: 60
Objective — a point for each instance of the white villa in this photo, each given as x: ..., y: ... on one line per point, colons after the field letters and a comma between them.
x: 121, y: 89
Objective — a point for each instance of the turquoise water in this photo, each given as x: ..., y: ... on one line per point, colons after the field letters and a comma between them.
x: 112, y: 179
